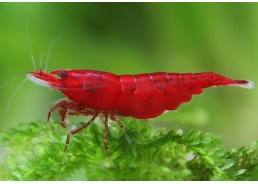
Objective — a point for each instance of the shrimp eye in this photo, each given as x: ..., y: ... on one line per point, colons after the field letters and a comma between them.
x: 63, y: 74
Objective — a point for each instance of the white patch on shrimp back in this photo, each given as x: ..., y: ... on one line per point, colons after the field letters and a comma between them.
x: 38, y: 81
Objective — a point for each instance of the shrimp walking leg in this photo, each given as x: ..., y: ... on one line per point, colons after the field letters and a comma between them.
x: 75, y: 131
x: 63, y: 113
x: 105, y: 137
x: 59, y: 104
x: 122, y: 128
x: 65, y: 105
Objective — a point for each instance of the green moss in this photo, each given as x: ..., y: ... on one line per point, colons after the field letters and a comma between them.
x: 34, y: 151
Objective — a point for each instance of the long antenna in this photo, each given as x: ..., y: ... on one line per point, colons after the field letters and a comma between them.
x: 50, y: 47
x: 31, y: 54
x: 14, y: 93
x: 10, y: 80
x: 40, y: 62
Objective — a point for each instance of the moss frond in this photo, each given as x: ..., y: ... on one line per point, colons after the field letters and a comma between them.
x: 34, y: 151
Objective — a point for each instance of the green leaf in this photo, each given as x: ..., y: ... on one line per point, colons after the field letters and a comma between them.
x: 34, y: 151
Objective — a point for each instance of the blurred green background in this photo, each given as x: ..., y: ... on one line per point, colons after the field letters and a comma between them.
x: 131, y: 38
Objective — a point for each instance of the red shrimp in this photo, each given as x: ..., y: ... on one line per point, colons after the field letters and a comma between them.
x: 143, y: 96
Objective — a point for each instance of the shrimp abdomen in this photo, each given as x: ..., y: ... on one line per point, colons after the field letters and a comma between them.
x: 149, y: 95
